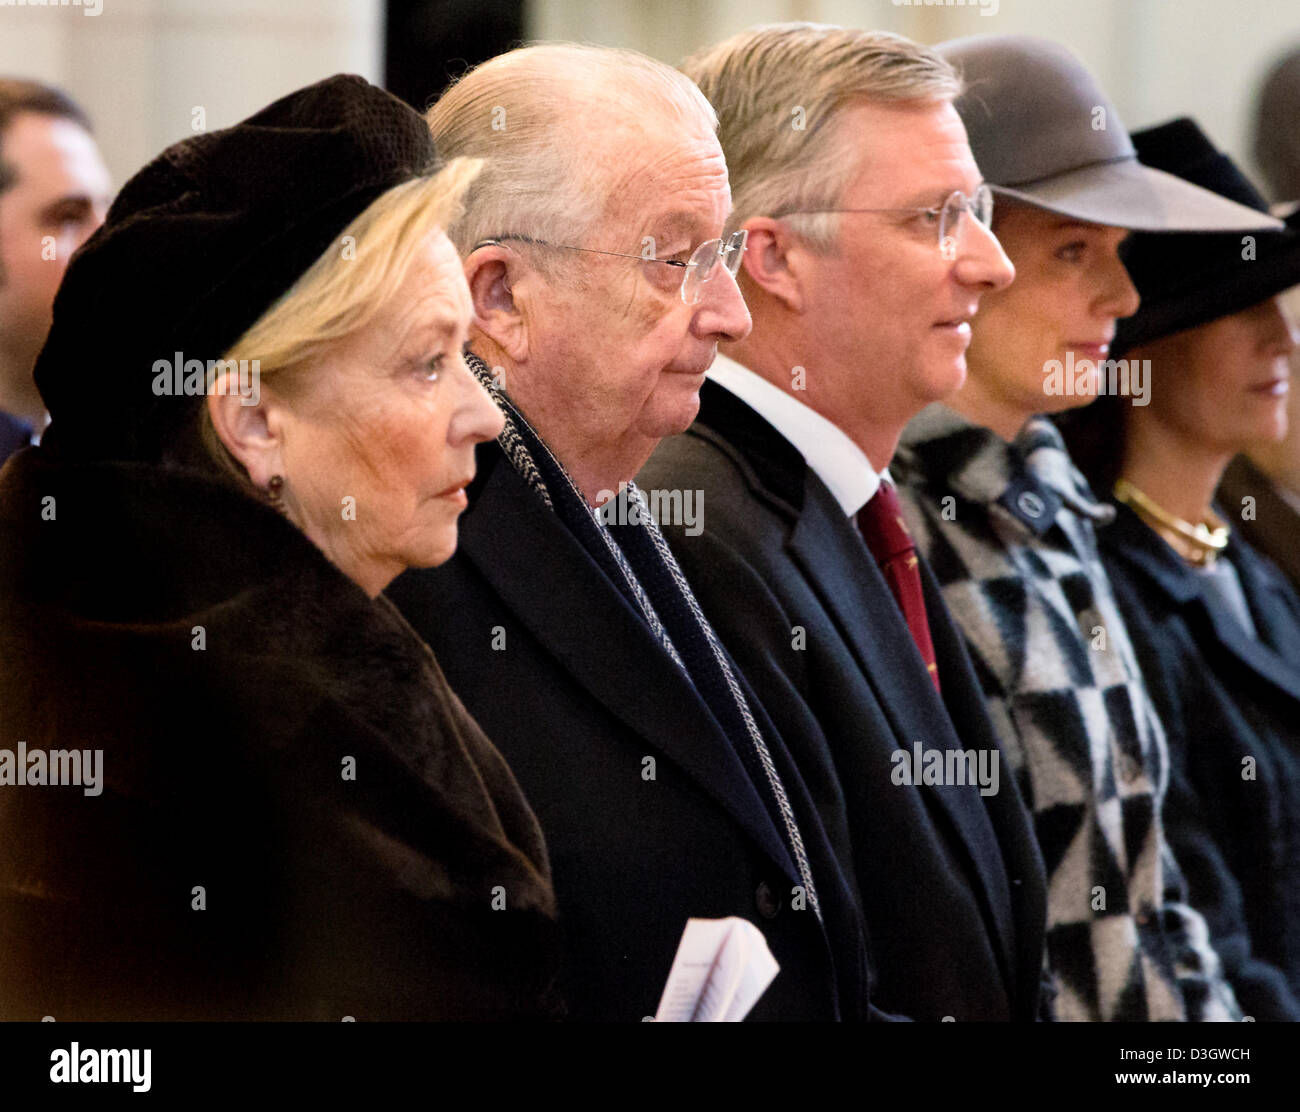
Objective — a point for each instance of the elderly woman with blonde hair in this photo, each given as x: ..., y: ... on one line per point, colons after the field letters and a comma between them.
x: 233, y: 782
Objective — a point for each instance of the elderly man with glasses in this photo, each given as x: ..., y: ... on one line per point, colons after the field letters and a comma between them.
x: 868, y: 251
x: 602, y: 283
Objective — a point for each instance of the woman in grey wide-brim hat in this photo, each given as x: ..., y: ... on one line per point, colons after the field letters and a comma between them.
x: 1008, y: 526
x: 1216, y: 626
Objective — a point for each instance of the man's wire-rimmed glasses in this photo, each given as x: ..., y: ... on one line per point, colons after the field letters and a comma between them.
x: 947, y: 216
x: 700, y: 268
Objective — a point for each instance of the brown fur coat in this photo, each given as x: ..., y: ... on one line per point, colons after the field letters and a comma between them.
x: 297, y: 818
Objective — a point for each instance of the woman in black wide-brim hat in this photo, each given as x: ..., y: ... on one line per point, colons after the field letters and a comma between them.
x: 233, y: 782
x: 1215, y: 624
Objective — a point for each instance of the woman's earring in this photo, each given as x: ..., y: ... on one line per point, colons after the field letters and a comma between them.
x: 275, y: 492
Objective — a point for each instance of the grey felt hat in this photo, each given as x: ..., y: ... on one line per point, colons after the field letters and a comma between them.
x: 1044, y: 132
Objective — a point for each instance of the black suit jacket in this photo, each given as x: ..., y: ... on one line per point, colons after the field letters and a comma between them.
x: 1230, y: 705
x: 648, y: 813
x: 951, y: 881
x: 14, y: 434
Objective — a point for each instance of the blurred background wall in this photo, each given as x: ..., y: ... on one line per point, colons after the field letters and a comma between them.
x: 143, y: 67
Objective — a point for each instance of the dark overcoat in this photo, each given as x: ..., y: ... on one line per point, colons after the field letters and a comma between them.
x: 951, y: 880
x: 1230, y: 703
x: 648, y: 811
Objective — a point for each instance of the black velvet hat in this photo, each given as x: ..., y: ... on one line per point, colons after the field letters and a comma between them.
x: 200, y: 243
x: 1186, y: 280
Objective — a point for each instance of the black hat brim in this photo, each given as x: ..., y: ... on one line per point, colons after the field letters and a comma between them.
x: 1189, y: 295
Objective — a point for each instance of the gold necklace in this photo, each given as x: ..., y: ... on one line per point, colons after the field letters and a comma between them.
x: 1198, y: 544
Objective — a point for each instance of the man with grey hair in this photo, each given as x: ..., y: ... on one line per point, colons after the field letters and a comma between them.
x: 594, y: 251
x: 868, y: 252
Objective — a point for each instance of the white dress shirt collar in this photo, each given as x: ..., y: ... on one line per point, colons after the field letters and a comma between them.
x: 825, y: 447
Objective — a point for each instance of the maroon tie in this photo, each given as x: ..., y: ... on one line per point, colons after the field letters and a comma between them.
x: 882, y: 526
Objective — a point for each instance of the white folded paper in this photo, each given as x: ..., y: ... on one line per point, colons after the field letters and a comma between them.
x: 721, y: 969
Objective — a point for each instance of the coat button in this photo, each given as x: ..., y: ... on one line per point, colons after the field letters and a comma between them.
x: 768, y: 902
x: 1031, y: 505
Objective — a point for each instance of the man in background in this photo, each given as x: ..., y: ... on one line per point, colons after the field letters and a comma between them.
x: 54, y: 192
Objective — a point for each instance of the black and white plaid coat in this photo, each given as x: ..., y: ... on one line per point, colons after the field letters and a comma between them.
x: 1008, y: 530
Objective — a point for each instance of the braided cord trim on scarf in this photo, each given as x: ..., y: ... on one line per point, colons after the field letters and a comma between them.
x: 742, y: 704
x: 517, y: 452
x: 514, y: 440
x: 511, y: 442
